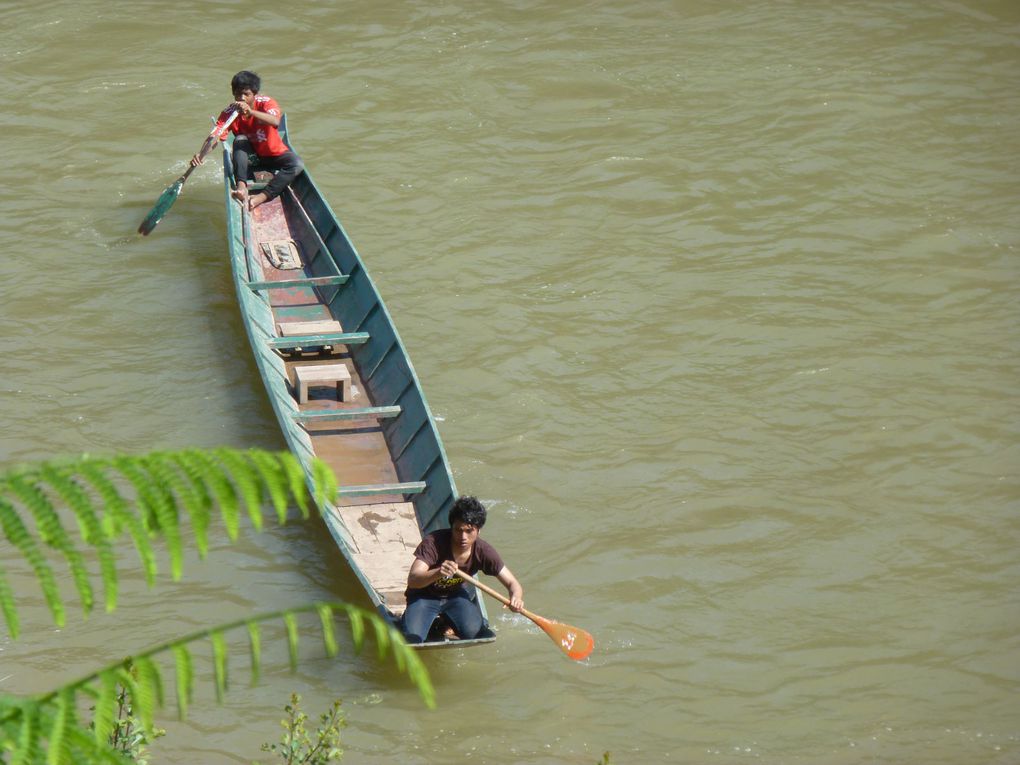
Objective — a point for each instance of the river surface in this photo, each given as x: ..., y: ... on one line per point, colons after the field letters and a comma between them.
x: 716, y: 304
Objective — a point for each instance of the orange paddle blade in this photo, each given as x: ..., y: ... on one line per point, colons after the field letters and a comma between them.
x: 573, y: 641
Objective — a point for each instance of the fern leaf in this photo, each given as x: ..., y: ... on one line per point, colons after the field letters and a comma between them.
x: 416, y: 671
x: 222, y: 490
x: 274, y: 481
x: 52, y: 532
x: 117, y: 516
x: 103, y: 716
x: 19, y: 537
x: 255, y: 650
x: 185, y: 677
x: 7, y: 606
x: 243, y: 473
x: 27, y: 751
x: 179, y: 489
x: 89, y: 525
x: 325, y: 483
x: 296, y: 480
x: 382, y: 637
x: 219, y: 646
x: 159, y: 509
x: 328, y: 637
x: 199, y: 504
x: 150, y: 676
x: 292, y: 638
x: 59, y: 750
x: 357, y: 628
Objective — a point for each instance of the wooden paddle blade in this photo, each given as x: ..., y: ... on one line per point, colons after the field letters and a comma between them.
x: 573, y: 641
x: 163, y: 205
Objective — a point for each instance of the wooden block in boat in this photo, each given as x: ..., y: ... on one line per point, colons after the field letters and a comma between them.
x: 323, y: 374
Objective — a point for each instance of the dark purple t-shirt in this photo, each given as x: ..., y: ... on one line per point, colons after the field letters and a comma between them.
x: 437, y: 547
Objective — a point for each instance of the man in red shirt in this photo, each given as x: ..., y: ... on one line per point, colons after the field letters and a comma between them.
x: 256, y: 133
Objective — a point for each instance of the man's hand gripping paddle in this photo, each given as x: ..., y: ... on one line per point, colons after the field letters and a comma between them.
x: 168, y: 197
x: 573, y: 641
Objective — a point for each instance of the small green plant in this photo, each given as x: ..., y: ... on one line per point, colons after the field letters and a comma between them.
x: 296, y: 746
x: 129, y: 735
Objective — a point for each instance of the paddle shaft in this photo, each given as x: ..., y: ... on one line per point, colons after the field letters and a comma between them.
x: 574, y: 642
x: 210, y: 142
x: 498, y: 596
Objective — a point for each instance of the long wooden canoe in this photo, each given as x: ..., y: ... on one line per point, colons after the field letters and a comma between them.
x: 381, y: 439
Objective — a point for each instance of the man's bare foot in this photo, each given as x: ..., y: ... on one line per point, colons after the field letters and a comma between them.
x: 240, y: 193
x: 256, y: 200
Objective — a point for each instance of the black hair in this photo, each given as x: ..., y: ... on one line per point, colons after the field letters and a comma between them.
x: 244, y: 80
x: 467, y: 510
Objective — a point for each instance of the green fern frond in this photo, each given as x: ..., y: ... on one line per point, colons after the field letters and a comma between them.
x: 148, y: 674
x: 357, y: 628
x: 27, y: 752
x: 159, y: 508
x: 198, y: 503
x: 104, y: 713
x: 295, y: 480
x: 10, y: 611
x: 180, y: 491
x: 185, y: 676
x: 328, y: 637
x: 325, y: 483
x: 58, y: 479
x: 274, y: 481
x: 246, y: 478
x: 20, y: 538
x: 255, y: 650
x: 59, y: 749
x: 219, y: 646
x: 290, y: 620
x: 221, y: 488
x: 382, y: 638
x: 89, y: 526
x: 118, y: 516
x: 52, y: 532
x: 143, y: 684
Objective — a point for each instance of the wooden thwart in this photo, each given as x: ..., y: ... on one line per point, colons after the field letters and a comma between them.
x: 337, y: 415
x: 312, y: 281
x: 367, y: 490
x: 326, y: 338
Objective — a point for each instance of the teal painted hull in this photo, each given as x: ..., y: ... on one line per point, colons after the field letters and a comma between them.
x: 389, y: 435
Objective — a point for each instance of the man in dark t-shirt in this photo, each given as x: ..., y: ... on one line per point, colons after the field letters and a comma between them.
x: 434, y: 585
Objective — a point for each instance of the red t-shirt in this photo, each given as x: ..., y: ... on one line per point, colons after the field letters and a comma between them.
x: 437, y: 547
x: 265, y: 138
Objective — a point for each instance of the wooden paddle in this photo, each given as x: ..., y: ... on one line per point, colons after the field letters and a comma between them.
x: 169, y: 196
x: 573, y: 641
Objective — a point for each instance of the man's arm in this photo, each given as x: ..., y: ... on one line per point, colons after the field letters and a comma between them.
x: 271, y: 116
x: 421, y: 575
x: 513, y: 587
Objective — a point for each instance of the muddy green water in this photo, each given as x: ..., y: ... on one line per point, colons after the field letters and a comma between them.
x: 716, y: 303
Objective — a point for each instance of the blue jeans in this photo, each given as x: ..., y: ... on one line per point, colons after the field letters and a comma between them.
x: 459, y: 608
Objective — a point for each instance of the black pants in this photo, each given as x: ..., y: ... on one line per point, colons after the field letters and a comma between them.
x: 285, y: 168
